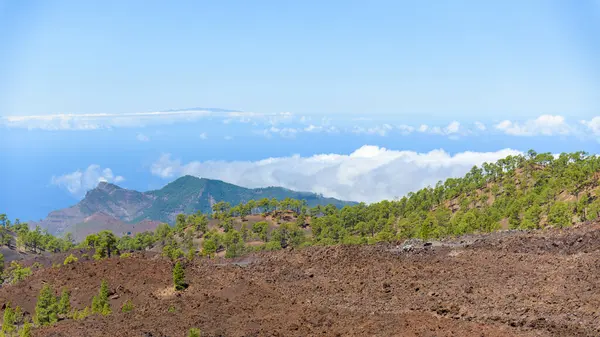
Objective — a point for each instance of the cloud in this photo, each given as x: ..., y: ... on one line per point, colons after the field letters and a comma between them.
x: 406, y: 129
x: 545, y: 125
x: 203, y: 136
x: 79, y: 182
x: 381, y: 130
x: 132, y: 120
x: 142, y: 137
x: 454, y: 128
x: 370, y: 173
x: 593, y: 125
x: 480, y: 126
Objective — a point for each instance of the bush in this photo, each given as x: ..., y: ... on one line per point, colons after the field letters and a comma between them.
x: 194, y: 332
x: 17, y: 273
x: 127, y: 306
x: 126, y: 255
x: 179, y: 277
x: 81, y: 314
x: 272, y: 245
x: 70, y: 259
x: 171, y: 309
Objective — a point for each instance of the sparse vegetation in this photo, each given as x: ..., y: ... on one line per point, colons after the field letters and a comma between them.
x: 127, y: 306
x: 70, y: 259
x: 16, y: 273
x: 194, y: 332
x: 81, y: 314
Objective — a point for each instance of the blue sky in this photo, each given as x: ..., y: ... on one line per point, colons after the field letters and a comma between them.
x: 334, y: 92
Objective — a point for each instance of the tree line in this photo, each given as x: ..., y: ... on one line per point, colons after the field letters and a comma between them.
x: 520, y: 192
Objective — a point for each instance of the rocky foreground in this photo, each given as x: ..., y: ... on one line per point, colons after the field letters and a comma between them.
x: 505, y: 284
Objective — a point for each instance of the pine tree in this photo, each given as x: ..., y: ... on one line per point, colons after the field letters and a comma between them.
x: 100, y: 303
x: 179, y: 276
x: 46, y: 311
x: 25, y: 330
x: 8, y: 323
x: 18, y: 315
x: 64, y: 304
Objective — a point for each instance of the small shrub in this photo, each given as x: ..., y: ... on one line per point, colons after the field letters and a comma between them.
x: 37, y: 265
x: 127, y: 306
x: 81, y: 314
x: 171, y: 309
x: 70, y: 259
x: 85, y: 256
x: 126, y: 255
x: 17, y: 272
x: 194, y: 332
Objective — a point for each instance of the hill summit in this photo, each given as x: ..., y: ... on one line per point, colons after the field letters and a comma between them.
x: 109, y: 206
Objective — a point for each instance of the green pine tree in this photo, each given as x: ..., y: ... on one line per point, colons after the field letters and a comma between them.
x: 46, y: 310
x: 64, y: 304
x: 25, y: 330
x: 100, y: 303
x: 8, y: 323
x: 179, y: 276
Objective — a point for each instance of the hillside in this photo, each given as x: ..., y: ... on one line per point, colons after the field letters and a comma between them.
x: 119, y: 207
x: 504, y: 284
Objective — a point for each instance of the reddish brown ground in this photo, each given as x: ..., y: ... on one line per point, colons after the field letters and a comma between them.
x: 511, y: 284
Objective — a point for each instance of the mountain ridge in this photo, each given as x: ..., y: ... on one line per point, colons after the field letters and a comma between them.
x: 188, y: 194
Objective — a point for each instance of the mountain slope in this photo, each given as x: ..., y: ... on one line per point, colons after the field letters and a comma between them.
x: 121, y: 207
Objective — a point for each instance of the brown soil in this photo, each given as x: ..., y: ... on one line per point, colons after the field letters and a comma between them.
x: 506, y: 284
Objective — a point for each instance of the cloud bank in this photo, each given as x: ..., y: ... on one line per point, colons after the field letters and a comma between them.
x: 79, y: 182
x: 289, y: 125
x: 369, y: 174
x: 130, y: 120
x: 545, y: 125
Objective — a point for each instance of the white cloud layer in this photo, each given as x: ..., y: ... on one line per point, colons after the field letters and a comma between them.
x: 545, y: 125
x: 79, y: 182
x: 368, y: 174
x: 131, y: 120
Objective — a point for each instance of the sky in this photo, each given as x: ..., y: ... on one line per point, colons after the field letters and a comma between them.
x: 359, y: 100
